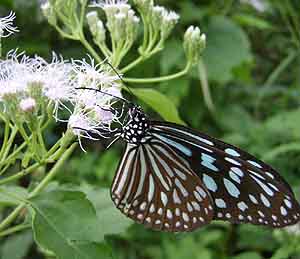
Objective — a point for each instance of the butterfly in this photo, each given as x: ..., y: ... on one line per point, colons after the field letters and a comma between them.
x: 176, y: 179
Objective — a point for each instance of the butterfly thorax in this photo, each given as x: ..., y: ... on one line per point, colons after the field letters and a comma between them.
x: 136, y: 128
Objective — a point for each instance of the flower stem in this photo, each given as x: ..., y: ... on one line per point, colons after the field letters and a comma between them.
x: 159, y: 79
x: 8, y: 146
x: 53, y: 154
x: 53, y: 171
x: 132, y: 64
x: 40, y: 187
x: 205, y: 87
x: 87, y: 45
x: 5, y: 139
x: 14, y: 229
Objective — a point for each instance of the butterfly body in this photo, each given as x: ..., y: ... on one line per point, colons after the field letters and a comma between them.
x: 173, y: 178
x: 136, y: 128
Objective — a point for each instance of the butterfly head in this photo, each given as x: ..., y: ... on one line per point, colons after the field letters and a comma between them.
x: 136, y: 128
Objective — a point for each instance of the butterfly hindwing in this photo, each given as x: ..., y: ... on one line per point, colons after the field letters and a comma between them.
x: 243, y: 188
x: 156, y: 187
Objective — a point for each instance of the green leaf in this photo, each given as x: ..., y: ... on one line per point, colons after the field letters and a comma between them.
x: 17, y: 246
x: 6, y: 199
x: 176, y: 90
x: 227, y: 47
x: 65, y: 223
x: 110, y: 219
x: 160, y: 103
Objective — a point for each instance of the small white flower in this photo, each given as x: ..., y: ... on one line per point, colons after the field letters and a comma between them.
x: 106, y: 116
x: 6, y: 25
x: 83, y: 125
x: 27, y: 105
x: 89, y: 74
x: 58, y: 85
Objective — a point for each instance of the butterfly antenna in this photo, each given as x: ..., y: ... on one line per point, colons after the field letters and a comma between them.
x: 120, y: 77
x: 99, y: 91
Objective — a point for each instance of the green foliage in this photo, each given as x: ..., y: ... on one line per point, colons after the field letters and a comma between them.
x: 228, y: 46
x: 17, y: 246
x: 65, y: 222
x: 256, y: 108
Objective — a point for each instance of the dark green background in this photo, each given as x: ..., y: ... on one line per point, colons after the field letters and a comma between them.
x: 244, y: 48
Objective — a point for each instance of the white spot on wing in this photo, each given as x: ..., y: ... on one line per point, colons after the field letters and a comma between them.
x: 164, y: 198
x: 232, y: 161
x: 283, y: 211
x: 254, y: 163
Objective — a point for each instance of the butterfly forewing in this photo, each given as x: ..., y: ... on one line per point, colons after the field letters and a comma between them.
x: 243, y: 188
x: 156, y: 187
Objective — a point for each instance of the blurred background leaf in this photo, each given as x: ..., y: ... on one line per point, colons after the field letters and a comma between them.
x: 245, y: 46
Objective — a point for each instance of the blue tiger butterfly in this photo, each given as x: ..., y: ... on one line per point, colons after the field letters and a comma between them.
x: 176, y: 179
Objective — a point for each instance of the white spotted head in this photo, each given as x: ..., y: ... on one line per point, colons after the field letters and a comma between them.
x: 135, y: 130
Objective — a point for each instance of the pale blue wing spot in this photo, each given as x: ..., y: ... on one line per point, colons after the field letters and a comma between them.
x: 207, y: 161
x: 242, y: 206
x: 263, y: 186
x: 209, y: 183
x: 175, y: 144
x: 265, y: 201
x: 234, y: 177
x: 220, y: 203
x: 232, y: 152
x: 237, y: 171
x: 254, y: 163
x: 231, y: 188
x: 233, y: 161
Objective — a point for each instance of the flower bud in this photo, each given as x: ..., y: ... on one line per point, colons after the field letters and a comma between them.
x: 157, y: 15
x: 132, y: 23
x: 120, y: 19
x: 194, y: 43
x: 145, y: 6
x: 169, y: 20
x: 101, y: 32
x: 49, y: 13
x: 27, y: 105
x: 92, y: 20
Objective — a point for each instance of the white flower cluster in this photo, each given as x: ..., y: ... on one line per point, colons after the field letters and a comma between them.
x: 33, y: 86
